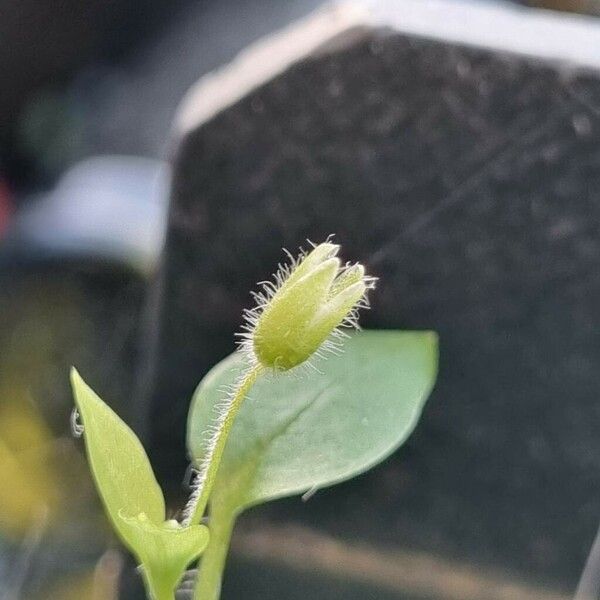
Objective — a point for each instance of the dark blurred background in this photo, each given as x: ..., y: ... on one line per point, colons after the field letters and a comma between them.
x: 89, y: 90
x: 82, y: 78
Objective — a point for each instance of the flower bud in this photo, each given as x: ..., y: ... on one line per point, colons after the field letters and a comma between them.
x: 308, y: 302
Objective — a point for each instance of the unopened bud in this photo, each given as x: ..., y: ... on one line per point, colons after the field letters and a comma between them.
x: 308, y: 302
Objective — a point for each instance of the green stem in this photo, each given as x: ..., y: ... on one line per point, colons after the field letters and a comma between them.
x: 198, y: 506
x: 210, y: 576
x: 159, y: 589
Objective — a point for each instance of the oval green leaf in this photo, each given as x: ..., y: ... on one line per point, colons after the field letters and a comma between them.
x: 299, y: 432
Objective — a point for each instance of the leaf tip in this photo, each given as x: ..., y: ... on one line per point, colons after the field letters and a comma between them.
x: 81, y: 389
x: 75, y: 377
x: 433, y: 337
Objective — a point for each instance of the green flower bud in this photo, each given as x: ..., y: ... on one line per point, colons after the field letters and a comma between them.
x: 298, y: 315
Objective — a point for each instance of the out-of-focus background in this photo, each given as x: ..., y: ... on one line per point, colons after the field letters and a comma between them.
x: 89, y: 92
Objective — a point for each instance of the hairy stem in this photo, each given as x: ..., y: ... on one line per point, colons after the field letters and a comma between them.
x: 210, y: 464
x: 210, y: 575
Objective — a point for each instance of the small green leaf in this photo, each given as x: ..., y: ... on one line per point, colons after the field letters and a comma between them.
x: 301, y: 432
x: 132, y: 497
x: 118, y: 460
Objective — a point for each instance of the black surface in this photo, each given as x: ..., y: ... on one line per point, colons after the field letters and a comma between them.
x: 468, y: 182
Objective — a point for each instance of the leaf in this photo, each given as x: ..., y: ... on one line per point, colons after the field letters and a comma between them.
x: 301, y: 432
x: 132, y: 497
x: 119, y: 463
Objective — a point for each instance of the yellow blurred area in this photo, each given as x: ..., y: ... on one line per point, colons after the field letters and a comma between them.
x: 31, y: 485
x: 49, y: 510
x: 39, y: 327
